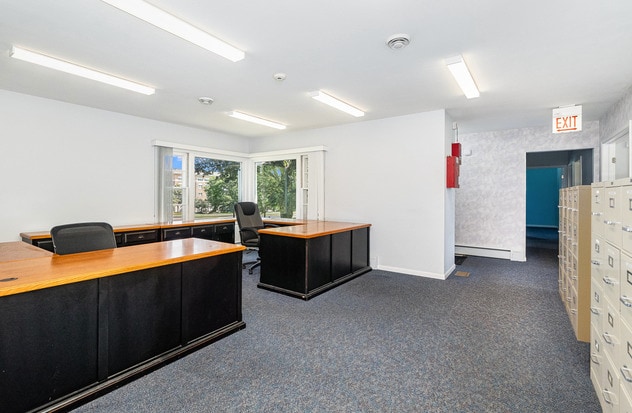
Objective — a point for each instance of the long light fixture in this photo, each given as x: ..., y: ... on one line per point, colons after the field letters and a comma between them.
x: 336, y: 103
x: 463, y: 77
x: 165, y: 21
x: 257, y: 120
x: 63, y: 66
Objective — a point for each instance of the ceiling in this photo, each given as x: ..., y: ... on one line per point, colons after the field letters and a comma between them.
x: 526, y: 57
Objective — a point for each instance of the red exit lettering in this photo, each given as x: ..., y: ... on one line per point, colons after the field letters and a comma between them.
x: 566, y: 123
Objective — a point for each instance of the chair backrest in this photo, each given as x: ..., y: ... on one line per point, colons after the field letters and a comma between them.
x: 82, y: 237
x: 248, y: 216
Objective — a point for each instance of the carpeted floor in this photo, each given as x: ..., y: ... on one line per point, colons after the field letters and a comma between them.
x: 496, y: 341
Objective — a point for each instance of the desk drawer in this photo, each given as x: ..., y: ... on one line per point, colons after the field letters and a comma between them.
x: 140, y: 237
x: 176, y: 233
x: 224, y: 228
x: 203, y: 231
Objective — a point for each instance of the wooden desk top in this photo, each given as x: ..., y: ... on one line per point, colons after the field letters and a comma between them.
x: 53, y: 270
x: 312, y: 229
x: 18, y: 250
x: 141, y: 227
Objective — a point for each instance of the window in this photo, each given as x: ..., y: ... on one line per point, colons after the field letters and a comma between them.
x: 276, y: 188
x: 217, y: 187
x: 199, y: 183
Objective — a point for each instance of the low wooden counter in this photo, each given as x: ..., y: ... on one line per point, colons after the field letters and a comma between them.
x: 215, y: 229
x: 311, y: 257
x: 75, y: 326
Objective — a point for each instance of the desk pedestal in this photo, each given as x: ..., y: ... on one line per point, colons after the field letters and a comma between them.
x: 305, y: 267
x: 67, y: 344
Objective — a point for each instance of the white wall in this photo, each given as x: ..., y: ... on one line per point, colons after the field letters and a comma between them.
x: 390, y: 173
x: 64, y: 163
x: 491, y: 203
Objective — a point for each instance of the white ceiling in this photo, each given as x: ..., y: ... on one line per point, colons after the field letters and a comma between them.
x: 527, y: 58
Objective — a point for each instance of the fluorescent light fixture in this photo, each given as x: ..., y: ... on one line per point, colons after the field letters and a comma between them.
x: 257, y: 120
x: 165, y: 21
x: 336, y: 103
x: 63, y: 66
x: 462, y: 75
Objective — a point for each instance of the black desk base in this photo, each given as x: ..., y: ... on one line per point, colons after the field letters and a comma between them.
x: 65, y: 345
x: 306, y: 267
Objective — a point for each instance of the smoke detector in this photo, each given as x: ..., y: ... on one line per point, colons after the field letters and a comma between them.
x: 398, y: 41
x: 205, y: 100
x: 280, y: 76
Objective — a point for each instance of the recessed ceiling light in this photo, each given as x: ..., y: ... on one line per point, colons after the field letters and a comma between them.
x: 256, y: 119
x: 67, y: 67
x: 336, y: 103
x: 180, y: 28
x: 463, y: 77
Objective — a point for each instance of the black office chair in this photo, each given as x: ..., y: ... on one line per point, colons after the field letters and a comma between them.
x: 82, y: 237
x: 250, y: 222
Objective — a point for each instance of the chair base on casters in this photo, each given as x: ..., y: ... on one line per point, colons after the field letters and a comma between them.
x: 252, y: 267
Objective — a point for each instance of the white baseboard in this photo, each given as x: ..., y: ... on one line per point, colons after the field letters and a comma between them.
x: 483, y: 252
x: 408, y: 271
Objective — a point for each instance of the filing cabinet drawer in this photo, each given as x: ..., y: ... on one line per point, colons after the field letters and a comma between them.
x: 626, y: 217
x: 610, y: 385
x: 611, y: 274
x: 625, y: 287
x: 596, y: 305
x: 612, y: 215
x: 140, y: 237
x: 625, y: 356
x: 596, y: 351
x: 610, y: 329
x: 595, y: 377
x: 597, y: 210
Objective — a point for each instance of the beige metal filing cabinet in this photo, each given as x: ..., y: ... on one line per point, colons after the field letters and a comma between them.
x: 574, y: 257
x: 611, y: 294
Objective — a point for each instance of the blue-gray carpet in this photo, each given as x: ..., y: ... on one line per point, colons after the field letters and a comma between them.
x: 496, y: 341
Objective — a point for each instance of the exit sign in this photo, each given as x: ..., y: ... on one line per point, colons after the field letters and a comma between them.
x: 567, y: 119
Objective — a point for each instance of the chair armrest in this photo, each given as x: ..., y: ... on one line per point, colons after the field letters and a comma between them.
x: 271, y: 226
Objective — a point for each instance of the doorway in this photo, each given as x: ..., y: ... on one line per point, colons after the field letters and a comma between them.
x: 547, y: 173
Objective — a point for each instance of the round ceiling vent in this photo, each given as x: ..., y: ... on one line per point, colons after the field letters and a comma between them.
x: 398, y: 41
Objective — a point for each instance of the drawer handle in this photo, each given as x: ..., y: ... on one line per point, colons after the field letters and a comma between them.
x: 610, y: 339
x: 609, y: 281
x: 627, y: 376
x: 141, y: 236
x: 595, y: 359
x: 606, y: 396
x: 573, y: 311
x: 595, y: 262
x: 597, y: 214
x: 608, y: 222
x: 594, y: 310
x: 626, y: 301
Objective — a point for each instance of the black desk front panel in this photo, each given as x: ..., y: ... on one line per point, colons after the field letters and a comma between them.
x: 47, y: 344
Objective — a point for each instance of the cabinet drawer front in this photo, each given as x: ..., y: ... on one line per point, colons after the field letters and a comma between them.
x: 224, y: 228
x: 610, y: 385
x: 176, y: 233
x: 610, y: 330
x: 596, y: 305
x: 625, y: 357
x: 596, y: 352
x: 204, y: 231
x: 610, y: 276
x: 141, y: 236
x: 597, y: 208
x: 625, y: 289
